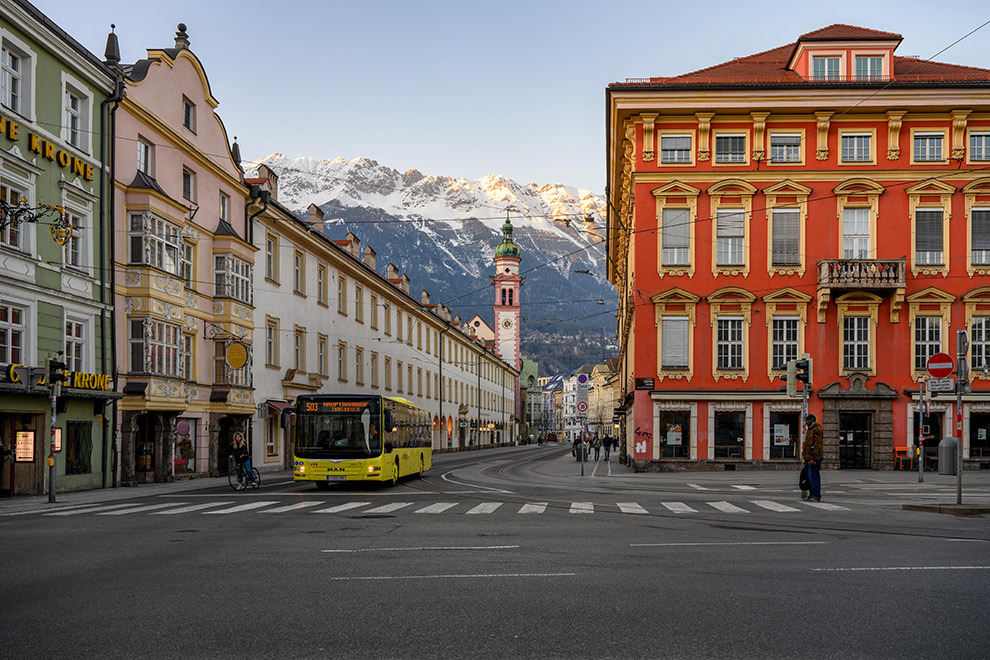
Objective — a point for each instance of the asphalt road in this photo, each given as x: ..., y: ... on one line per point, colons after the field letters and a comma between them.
x: 497, y: 554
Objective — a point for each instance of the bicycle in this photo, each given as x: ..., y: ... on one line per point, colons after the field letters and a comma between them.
x: 233, y: 480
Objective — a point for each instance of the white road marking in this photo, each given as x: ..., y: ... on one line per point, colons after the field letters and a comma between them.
x: 533, y: 507
x: 107, y: 507
x: 446, y: 478
x: 582, y: 507
x: 141, y: 509
x: 826, y: 506
x: 967, y: 540
x: 697, y: 487
x: 455, y: 577
x: 630, y: 507
x: 674, y: 545
x: 447, y: 547
x: 725, y: 507
x: 342, y: 507
x: 904, y: 568
x: 678, y: 507
x: 388, y: 508
x: 243, y: 507
x: 774, y: 506
x: 743, y: 487
x: 47, y: 510
x: 439, y: 507
x: 486, y: 507
x: 292, y: 507
x: 189, y: 509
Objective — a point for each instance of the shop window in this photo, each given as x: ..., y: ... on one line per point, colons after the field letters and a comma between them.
x: 730, y: 434
x: 785, y: 434
x: 674, y: 433
x: 979, y: 435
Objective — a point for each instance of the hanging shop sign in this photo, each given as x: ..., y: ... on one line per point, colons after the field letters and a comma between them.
x: 46, y: 149
x: 31, y: 376
x: 236, y: 355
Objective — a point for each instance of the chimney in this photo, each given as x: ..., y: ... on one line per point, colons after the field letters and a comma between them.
x: 369, y: 257
x: 181, y: 38
x: 355, y: 245
x: 443, y: 312
x: 266, y: 172
x: 457, y: 320
x: 425, y: 297
x: 404, y: 284
x: 314, y: 215
x: 391, y: 272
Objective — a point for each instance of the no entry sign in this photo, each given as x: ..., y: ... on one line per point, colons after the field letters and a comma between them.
x: 940, y: 365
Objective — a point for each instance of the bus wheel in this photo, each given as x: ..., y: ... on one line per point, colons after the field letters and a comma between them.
x: 422, y: 467
x: 395, y: 473
x: 322, y: 485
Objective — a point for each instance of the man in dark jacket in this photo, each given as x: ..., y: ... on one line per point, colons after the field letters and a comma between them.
x: 812, y: 455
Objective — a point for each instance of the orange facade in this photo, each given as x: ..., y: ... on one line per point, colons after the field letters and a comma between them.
x: 826, y: 197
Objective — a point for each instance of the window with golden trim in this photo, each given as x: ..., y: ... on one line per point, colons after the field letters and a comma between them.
x: 732, y: 216
x: 782, y: 343
x: 786, y: 147
x: 675, y: 321
x: 929, y: 146
x: 730, y: 313
x: 857, y: 320
x: 858, y: 147
x: 731, y: 147
x: 929, y: 316
x: 930, y: 206
x: 677, y: 216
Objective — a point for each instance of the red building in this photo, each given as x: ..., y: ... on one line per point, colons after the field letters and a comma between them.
x: 826, y: 197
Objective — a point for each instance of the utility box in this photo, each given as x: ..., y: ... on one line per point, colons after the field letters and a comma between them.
x: 947, y: 457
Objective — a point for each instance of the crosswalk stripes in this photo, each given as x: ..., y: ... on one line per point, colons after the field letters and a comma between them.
x: 140, y: 509
x: 774, y: 506
x: 726, y: 507
x: 487, y: 507
x: 343, y: 507
x: 226, y: 507
x: 189, y: 509
x: 76, y: 512
x: 679, y: 507
x: 243, y: 507
x: 292, y: 507
x: 439, y: 507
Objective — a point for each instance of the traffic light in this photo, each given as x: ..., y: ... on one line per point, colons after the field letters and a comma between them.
x: 55, y: 369
x: 798, y: 371
x: 791, y: 377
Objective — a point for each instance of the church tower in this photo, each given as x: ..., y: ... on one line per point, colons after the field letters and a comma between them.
x: 507, y: 282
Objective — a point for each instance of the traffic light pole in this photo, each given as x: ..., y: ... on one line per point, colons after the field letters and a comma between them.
x: 962, y: 374
x: 51, y: 448
x: 921, y: 433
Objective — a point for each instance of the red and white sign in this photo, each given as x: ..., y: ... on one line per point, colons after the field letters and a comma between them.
x: 940, y: 365
x: 582, y: 406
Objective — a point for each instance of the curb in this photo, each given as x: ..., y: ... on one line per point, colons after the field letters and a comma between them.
x: 954, y: 509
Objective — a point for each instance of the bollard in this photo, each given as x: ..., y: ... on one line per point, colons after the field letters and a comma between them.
x: 582, y: 456
x: 947, y: 449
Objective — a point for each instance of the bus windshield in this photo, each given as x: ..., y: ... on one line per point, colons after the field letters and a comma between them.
x: 338, y: 428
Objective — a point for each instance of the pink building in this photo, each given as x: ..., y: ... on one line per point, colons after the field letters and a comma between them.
x: 183, y: 267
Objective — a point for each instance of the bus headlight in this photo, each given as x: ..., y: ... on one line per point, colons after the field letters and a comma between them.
x: 374, y: 468
x: 301, y: 469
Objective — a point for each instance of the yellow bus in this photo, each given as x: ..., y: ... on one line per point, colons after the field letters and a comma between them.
x: 353, y: 437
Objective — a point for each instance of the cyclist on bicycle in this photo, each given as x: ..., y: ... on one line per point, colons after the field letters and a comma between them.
x: 242, y: 458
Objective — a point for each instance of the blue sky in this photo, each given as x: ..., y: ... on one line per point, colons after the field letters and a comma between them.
x: 468, y: 88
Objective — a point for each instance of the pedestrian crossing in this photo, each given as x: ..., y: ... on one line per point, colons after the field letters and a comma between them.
x: 367, y: 508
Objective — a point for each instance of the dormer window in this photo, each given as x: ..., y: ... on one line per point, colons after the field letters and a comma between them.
x: 869, y: 67
x: 825, y: 68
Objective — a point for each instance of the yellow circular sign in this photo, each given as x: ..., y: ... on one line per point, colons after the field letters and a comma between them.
x: 237, y: 355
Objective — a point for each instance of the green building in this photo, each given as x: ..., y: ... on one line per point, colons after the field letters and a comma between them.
x: 56, y: 292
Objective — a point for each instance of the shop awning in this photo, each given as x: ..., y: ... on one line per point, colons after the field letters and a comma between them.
x: 278, y: 406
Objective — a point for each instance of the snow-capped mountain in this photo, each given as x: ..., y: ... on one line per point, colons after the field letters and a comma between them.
x: 442, y: 231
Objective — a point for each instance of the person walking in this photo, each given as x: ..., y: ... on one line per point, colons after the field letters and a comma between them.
x: 812, y: 454
x: 607, y: 444
x: 596, y: 444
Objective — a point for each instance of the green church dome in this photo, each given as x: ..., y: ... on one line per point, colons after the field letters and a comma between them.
x: 507, y: 248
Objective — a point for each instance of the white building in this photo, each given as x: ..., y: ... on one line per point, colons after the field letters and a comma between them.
x: 329, y: 322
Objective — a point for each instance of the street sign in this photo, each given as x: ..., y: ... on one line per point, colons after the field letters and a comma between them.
x: 941, y: 385
x: 940, y: 365
x: 582, y: 378
x: 582, y: 406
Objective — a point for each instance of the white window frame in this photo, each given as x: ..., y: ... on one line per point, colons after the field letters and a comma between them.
x: 77, y: 135
x: 979, y: 342
x: 676, y: 156
x: 26, y: 75
x: 979, y: 146
x: 731, y: 157
x: 730, y: 248
x: 159, y: 240
x: 233, y: 278
x: 930, y: 140
x: 980, y: 250
x: 730, y: 336
x: 188, y: 184
x: 675, y: 329
x: 9, y: 330
x: 777, y: 257
x: 145, y: 157
x: 856, y: 244
x: 859, y: 358
x: 927, y: 340
x: 789, y: 153
x: 74, y: 252
x: 826, y: 75
x: 854, y: 152
x: 785, y: 340
x: 14, y: 236
x: 871, y: 60
x: 929, y: 257
x: 188, y: 114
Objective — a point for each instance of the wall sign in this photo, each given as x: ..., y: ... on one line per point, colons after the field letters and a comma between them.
x: 24, y: 447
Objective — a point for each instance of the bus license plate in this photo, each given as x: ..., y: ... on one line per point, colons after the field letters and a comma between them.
x: 336, y: 477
